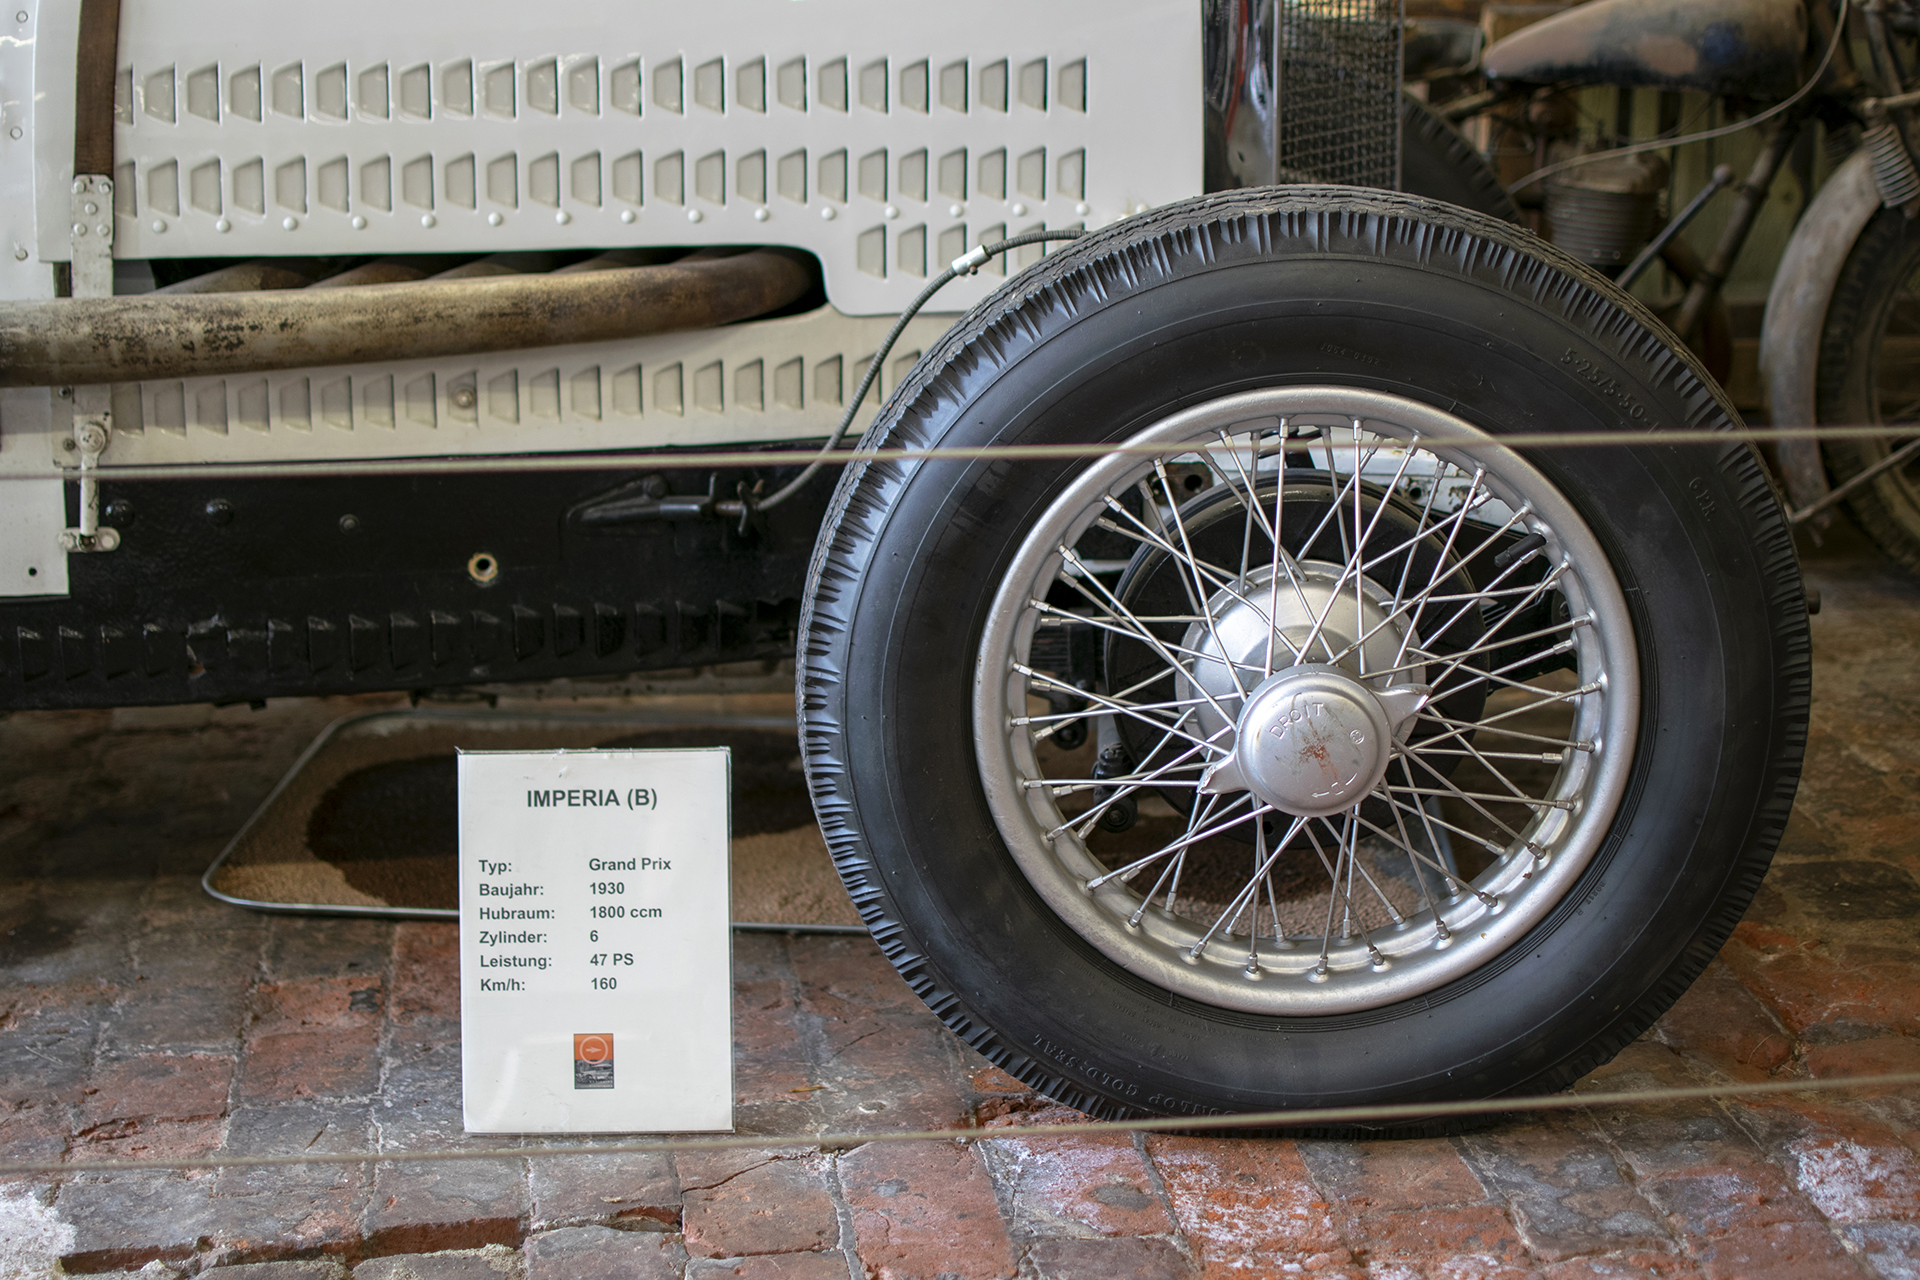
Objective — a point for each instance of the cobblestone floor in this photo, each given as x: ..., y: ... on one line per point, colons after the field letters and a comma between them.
x: 138, y: 1018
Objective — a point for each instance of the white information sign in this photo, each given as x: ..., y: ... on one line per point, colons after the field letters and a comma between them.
x: 596, y: 964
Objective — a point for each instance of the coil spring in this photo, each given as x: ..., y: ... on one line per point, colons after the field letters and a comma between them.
x: 1893, y: 169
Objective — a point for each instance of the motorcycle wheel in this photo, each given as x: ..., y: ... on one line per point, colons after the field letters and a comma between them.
x: 1496, y: 887
x: 1869, y: 373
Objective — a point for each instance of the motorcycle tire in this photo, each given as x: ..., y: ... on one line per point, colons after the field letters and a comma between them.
x: 1233, y: 344
x: 1866, y: 376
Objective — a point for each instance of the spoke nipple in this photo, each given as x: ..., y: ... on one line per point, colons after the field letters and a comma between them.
x: 1319, y: 973
x: 1493, y: 905
x: 1253, y: 972
x: 1539, y: 854
x: 1191, y: 957
x: 1133, y: 921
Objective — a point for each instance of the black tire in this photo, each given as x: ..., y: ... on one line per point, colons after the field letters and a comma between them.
x: 1861, y: 380
x: 1283, y: 288
x: 1436, y: 161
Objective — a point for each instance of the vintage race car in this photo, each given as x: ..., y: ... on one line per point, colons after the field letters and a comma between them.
x: 1276, y: 736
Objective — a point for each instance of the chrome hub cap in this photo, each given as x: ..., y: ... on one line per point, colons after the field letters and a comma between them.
x: 1368, y: 677
x: 1314, y: 741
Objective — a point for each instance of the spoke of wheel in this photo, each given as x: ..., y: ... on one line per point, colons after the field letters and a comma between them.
x: 1487, y: 796
x: 1187, y: 565
x: 1494, y: 677
x: 1420, y: 533
x: 1048, y: 682
x: 1428, y: 658
x: 1200, y: 814
x: 1351, y: 556
x: 1360, y: 556
x: 1485, y: 763
x: 1280, y: 938
x: 1361, y: 540
x: 1413, y: 864
x: 1452, y: 879
x: 1113, y: 602
x: 1531, y: 757
x: 1249, y: 890
x: 1154, y: 779
x: 1333, y: 895
x: 1545, y: 584
x: 1426, y: 596
x: 1280, y: 555
x: 1332, y: 873
x: 1461, y: 726
x: 1168, y: 647
x: 1433, y: 841
x: 1191, y: 837
x: 1220, y: 580
x: 1339, y: 492
x: 1147, y: 504
x: 1053, y: 719
x: 1520, y: 606
x: 1282, y: 561
x: 1440, y: 563
x: 1462, y: 832
x: 1411, y: 608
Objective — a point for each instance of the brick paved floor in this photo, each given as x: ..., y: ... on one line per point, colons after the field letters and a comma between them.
x: 138, y: 1018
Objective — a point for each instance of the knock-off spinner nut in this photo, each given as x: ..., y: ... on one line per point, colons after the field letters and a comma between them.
x: 1312, y: 740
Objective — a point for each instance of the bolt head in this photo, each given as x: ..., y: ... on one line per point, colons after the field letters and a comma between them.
x: 219, y: 511
x: 349, y: 523
x: 464, y: 397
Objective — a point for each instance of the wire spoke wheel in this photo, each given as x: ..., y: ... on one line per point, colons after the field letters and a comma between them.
x: 1303, y: 743
x: 1368, y: 753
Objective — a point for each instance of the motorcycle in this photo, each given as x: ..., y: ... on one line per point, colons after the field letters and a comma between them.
x: 1836, y: 341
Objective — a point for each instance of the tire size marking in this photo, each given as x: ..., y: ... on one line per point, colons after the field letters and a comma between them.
x: 1701, y: 498
x: 1590, y: 373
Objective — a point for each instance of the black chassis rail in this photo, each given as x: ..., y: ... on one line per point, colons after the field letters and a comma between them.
x: 229, y: 591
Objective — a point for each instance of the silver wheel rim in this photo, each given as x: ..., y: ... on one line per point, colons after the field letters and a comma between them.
x: 1381, y: 940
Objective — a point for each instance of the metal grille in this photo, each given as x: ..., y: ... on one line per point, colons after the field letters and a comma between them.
x: 1340, y: 90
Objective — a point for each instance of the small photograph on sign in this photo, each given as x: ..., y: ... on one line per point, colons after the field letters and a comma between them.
x: 593, y: 1061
